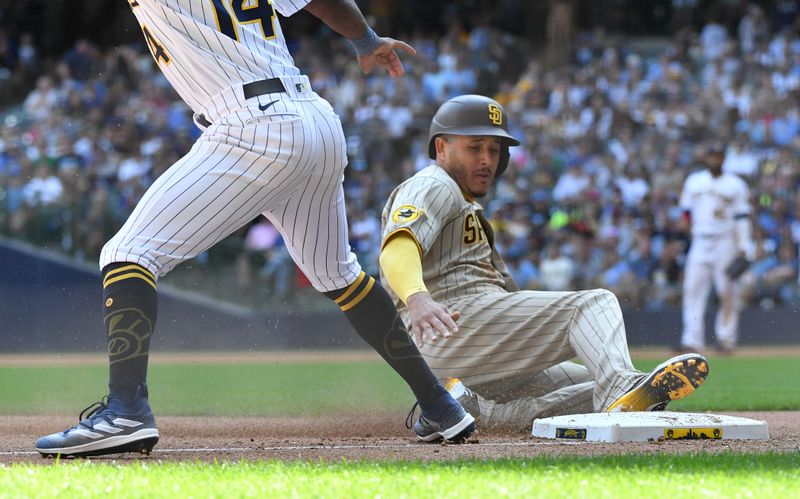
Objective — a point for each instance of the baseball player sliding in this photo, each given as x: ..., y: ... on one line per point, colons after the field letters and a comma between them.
x: 505, y: 353
x: 717, y: 207
x: 270, y: 146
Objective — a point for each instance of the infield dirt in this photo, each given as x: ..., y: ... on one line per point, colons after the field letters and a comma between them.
x: 356, y: 437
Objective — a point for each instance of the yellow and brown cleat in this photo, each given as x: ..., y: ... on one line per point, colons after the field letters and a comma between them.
x: 672, y: 380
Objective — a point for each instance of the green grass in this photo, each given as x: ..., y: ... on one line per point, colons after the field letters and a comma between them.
x: 214, y: 389
x: 277, y: 389
x: 743, y: 384
x: 300, y: 388
x: 727, y: 475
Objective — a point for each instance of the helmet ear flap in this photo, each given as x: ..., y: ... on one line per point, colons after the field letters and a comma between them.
x: 432, y: 147
x: 502, y: 164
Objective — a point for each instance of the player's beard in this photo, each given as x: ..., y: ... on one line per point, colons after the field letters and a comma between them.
x: 463, y: 178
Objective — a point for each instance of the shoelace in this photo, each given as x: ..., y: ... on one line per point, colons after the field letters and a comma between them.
x: 86, y: 418
x: 410, y: 417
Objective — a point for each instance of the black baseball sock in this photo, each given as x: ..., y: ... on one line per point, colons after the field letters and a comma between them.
x: 372, y: 314
x: 129, y: 314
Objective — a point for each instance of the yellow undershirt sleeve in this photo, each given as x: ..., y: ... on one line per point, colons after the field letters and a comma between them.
x: 401, y: 263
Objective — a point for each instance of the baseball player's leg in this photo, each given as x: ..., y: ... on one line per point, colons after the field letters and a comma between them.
x: 209, y: 193
x: 515, y: 401
x: 696, y: 286
x: 314, y: 225
x: 206, y: 195
x: 520, y: 412
x: 510, y: 334
x: 726, y: 323
x: 129, y: 315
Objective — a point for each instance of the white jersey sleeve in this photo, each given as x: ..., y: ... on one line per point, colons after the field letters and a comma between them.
x: 685, y: 201
x: 289, y: 7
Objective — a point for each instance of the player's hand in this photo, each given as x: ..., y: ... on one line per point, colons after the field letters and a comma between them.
x: 430, y: 319
x: 386, y: 57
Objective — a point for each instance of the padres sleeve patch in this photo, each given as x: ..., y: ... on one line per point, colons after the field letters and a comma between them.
x: 406, y: 213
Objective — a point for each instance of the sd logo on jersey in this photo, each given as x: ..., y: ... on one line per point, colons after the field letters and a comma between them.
x: 406, y: 213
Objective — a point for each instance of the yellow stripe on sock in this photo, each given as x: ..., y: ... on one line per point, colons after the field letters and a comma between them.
x: 350, y: 288
x: 132, y: 266
x: 132, y: 275
x: 355, y: 301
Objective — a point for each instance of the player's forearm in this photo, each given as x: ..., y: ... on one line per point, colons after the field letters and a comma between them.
x: 402, y: 266
x: 342, y: 16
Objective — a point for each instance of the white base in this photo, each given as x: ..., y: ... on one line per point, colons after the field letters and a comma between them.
x: 649, y: 426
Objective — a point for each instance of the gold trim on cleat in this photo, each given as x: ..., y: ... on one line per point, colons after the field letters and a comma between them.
x: 681, y: 392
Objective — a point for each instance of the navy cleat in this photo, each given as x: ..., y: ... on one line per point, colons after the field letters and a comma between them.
x: 111, y: 426
x: 454, y: 424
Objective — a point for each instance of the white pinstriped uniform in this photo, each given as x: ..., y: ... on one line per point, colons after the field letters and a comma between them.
x: 715, y: 203
x: 513, y: 347
x: 286, y: 161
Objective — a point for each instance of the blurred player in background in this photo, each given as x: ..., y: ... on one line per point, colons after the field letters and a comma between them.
x: 270, y: 146
x: 505, y: 353
x: 717, y: 208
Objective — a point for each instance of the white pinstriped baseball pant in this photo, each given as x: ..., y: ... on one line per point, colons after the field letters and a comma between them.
x: 286, y: 163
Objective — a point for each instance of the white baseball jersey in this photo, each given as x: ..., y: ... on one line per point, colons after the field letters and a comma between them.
x: 714, y: 203
x: 512, y: 346
x: 205, y: 47
x: 280, y: 154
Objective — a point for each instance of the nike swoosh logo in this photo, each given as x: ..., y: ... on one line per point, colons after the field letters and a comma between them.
x: 265, y: 106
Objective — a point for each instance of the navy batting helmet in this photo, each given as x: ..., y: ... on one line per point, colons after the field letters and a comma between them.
x: 472, y: 115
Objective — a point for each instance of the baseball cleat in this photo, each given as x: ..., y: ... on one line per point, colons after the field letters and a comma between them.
x: 111, y: 426
x: 672, y: 380
x: 453, y: 425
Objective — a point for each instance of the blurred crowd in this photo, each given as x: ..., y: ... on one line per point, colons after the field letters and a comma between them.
x: 589, y: 199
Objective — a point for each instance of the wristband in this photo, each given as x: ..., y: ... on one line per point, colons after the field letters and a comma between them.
x: 367, y: 43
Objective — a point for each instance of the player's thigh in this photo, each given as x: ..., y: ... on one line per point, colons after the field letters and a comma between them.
x: 725, y: 287
x: 697, y: 278
x: 504, y: 335
x: 212, y: 191
x: 313, y: 221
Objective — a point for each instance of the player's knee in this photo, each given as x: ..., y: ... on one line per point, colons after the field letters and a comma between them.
x: 601, y: 297
x: 113, y: 254
x: 107, y: 255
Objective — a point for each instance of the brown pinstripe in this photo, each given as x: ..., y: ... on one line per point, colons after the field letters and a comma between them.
x: 514, y: 347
